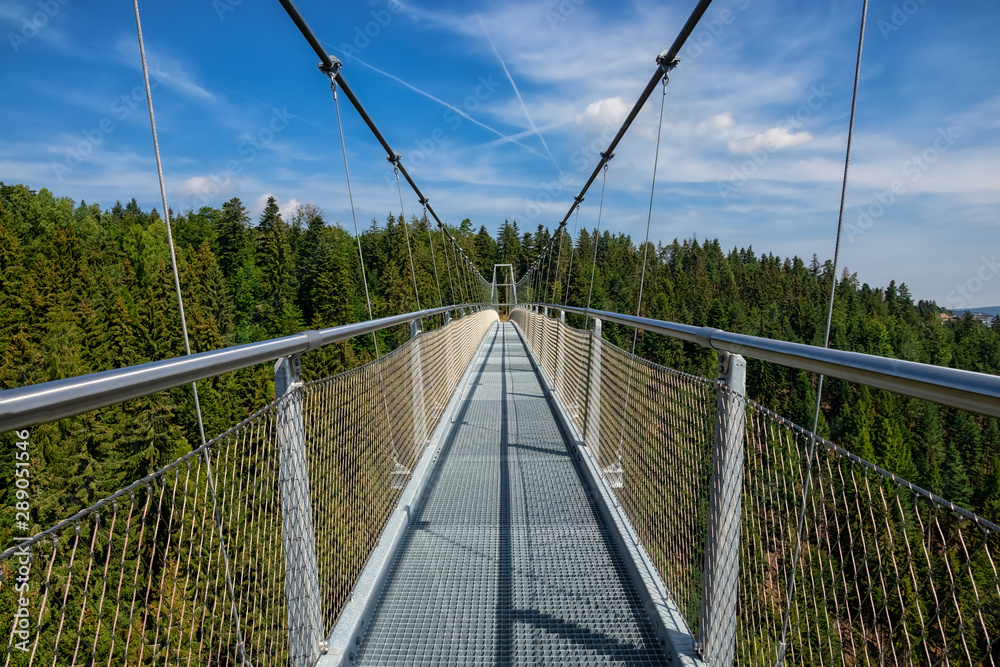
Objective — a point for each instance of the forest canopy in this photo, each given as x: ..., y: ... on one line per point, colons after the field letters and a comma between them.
x: 84, y: 289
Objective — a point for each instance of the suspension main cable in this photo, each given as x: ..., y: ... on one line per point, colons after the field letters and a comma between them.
x: 666, y: 61
x: 331, y: 67
x: 790, y: 592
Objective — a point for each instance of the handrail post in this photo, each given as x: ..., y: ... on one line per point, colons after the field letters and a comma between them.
x: 717, y: 627
x: 592, y: 433
x: 417, y: 392
x: 558, y: 381
x: 305, y: 617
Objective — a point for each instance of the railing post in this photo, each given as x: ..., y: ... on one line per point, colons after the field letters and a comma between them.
x: 305, y: 618
x: 592, y: 432
x: 417, y: 392
x: 558, y: 380
x: 717, y: 627
x: 450, y: 346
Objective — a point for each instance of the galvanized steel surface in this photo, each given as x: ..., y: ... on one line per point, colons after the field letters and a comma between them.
x: 507, y: 560
x: 890, y: 574
x: 654, y: 446
x: 143, y: 576
x: 964, y: 390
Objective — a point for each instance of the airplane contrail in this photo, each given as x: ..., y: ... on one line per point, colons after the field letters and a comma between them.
x: 460, y: 112
x: 516, y: 91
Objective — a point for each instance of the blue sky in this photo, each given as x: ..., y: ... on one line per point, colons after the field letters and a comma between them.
x: 499, y: 109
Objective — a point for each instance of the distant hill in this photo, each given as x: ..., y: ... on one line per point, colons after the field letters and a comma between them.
x: 988, y: 310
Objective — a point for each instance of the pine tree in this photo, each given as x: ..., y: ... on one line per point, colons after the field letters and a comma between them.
x: 278, y: 273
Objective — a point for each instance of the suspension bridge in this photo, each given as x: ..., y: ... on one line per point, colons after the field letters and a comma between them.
x: 507, y: 488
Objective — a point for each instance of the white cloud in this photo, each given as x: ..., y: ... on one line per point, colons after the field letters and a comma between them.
x: 716, y: 125
x: 285, y: 210
x: 194, y: 185
x: 771, y: 140
x: 288, y: 208
x: 599, y: 114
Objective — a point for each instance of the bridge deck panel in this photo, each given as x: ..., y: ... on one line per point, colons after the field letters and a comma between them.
x: 507, y: 560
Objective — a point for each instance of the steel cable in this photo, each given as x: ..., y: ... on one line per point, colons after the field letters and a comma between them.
x: 829, y: 320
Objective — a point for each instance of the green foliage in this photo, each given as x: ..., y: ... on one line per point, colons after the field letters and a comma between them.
x: 695, y: 282
x: 84, y: 290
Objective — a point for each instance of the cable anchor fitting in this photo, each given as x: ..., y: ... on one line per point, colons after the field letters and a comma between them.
x: 667, y: 65
x: 332, y: 71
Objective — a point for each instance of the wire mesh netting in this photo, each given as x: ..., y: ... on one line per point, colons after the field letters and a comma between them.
x: 887, y: 573
x: 366, y: 429
x: 181, y: 567
x: 652, y: 442
x: 188, y: 565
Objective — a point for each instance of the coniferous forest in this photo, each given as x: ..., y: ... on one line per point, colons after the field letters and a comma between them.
x: 83, y: 289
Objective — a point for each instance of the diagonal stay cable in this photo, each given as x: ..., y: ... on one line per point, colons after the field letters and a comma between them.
x: 665, y: 62
x: 166, y: 211
x: 572, y: 250
x: 406, y: 231
x: 187, y: 345
x: 354, y: 215
x: 554, y: 297
x: 430, y: 242
x: 597, y: 240
x: 364, y: 275
x: 642, y: 279
x: 782, y: 645
x: 332, y: 67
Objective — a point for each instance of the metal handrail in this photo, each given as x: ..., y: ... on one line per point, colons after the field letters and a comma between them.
x: 49, y: 401
x: 965, y: 390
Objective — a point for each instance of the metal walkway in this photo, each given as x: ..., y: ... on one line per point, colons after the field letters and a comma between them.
x: 507, y: 559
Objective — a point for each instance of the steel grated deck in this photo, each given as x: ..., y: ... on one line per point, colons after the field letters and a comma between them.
x: 507, y: 559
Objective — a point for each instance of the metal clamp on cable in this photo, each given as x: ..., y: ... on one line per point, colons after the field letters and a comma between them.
x: 666, y: 65
x: 394, y: 159
x: 331, y: 70
x: 606, y: 157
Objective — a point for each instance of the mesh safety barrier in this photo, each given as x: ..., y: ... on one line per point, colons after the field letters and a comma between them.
x: 886, y: 574
x: 651, y: 436
x: 188, y: 566
x: 182, y: 567
x: 366, y: 429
